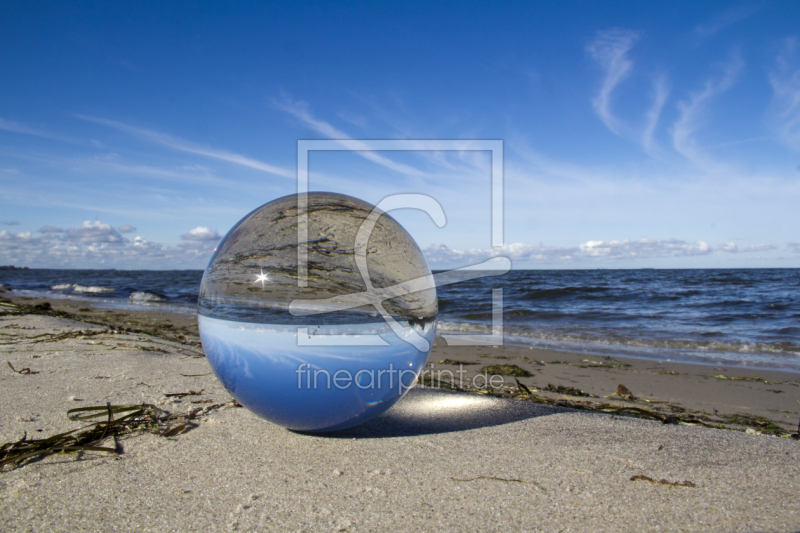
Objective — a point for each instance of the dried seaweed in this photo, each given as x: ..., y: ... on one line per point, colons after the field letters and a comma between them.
x: 664, y: 482
x: 755, y: 379
x: 506, y: 370
x: 490, y: 478
x: 570, y: 391
x: 89, y: 438
x: 22, y: 371
x: 457, y: 362
x: 522, y: 387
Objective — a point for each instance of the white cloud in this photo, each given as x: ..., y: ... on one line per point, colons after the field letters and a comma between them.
x: 691, y: 110
x: 793, y: 247
x: 300, y: 111
x: 50, y: 229
x: 94, y: 232
x: 610, y: 50
x: 181, y: 145
x: 732, y: 248
x: 97, y: 245
x: 16, y: 127
x: 644, y: 248
x: 201, y: 233
x: 760, y: 248
x: 785, y: 81
x: 127, y: 228
x: 660, y: 94
x: 725, y: 19
x: 590, y: 250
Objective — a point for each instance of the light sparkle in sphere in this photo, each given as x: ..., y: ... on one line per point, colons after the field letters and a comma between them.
x: 331, y: 354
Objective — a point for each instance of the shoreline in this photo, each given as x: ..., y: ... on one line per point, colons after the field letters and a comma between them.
x: 730, y: 396
x: 186, y: 317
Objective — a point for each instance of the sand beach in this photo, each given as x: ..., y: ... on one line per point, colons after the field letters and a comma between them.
x: 571, y: 442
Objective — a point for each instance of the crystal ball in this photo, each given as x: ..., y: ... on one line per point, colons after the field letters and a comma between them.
x: 317, y: 317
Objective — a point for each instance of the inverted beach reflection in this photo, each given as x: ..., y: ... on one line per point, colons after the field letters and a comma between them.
x: 314, y: 378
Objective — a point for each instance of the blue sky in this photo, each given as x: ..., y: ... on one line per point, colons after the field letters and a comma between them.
x: 636, y: 134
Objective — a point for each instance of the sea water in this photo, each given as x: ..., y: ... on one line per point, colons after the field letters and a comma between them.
x: 313, y: 378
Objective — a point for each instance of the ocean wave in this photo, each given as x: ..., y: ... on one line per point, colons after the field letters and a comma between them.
x: 61, y: 286
x: 144, y: 296
x: 564, y: 292
x: 92, y: 289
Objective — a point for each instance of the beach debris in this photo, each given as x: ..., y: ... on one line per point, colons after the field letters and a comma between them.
x: 587, y: 363
x: 88, y: 440
x: 490, y: 478
x: 195, y: 375
x: 758, y: 380
x: 663, y: 481
x: 182, y: 394
x: 456, y: 362
x: 522, y: 387
x: 623, y: 392
x: 743, y: 378
x: 506, y: 370
x: 22, y: 371
x: 569, y: 391
x: 120, y: 420
x: 608, y: 363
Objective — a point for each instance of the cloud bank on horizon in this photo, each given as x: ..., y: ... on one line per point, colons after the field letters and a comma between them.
x: 626, y: 143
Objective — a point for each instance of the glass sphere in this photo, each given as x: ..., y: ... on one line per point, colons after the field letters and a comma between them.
x: 332, y: 343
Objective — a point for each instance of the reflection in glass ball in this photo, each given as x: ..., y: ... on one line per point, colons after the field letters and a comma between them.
x: 328, y: 347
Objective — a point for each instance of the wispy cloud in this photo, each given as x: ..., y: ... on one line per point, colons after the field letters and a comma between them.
x: 785, y: 81
x: 725, y: 19
x: 10, y: 223
x: 610, y: 49
x: 691, y: 111
x: 17, y: 127
x: 300, y: 111
x: 181, y: 145
x: 660, y: 94
x: 181, y: 174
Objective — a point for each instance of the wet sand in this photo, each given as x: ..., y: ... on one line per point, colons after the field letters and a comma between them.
x: 736, y: 397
